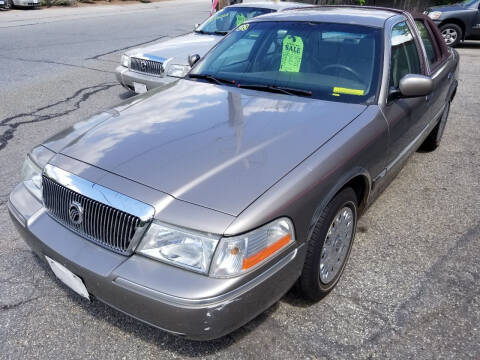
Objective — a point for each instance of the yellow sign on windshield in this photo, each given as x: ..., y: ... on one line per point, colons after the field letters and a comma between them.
x: 240, y: 19
x: 346, y: 91
x: 243, y: 27
x: 292, y: 54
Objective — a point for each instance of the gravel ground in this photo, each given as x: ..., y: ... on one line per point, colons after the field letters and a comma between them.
x: 411, y: 288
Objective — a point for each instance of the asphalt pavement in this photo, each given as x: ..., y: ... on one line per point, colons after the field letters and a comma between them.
x: 411, y: 288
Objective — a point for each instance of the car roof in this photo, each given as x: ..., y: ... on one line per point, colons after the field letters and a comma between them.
x: 367, y: 16
x: 274, y: 5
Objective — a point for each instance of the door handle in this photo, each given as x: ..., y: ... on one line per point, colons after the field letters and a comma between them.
x: 427, y: 98
x: 450, y: 75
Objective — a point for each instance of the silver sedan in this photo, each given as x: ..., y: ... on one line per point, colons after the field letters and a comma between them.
x: 142, y: 69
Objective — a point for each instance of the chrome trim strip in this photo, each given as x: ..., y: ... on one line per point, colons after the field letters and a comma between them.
x: 207, y: 302
x: 100, y: 193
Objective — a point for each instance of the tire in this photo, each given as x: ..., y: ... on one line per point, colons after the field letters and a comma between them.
x: 317, y: 279
x: 452, y: 33
x: 435, y: 137
x: 9, y: 4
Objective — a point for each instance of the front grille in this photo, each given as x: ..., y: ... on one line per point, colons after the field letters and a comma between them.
x: 100, y: 223
x: 146, y: 66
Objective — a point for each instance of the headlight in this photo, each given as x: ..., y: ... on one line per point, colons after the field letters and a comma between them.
x: 179, y: 246
x: 33, y: 167
x: 125, y: 61
x: 239, y: 254
x: 178, y: 70
x: 32, y: 177
x: 435, y: 15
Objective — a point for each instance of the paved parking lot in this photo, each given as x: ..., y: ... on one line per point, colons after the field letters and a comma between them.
x: 410, y: 290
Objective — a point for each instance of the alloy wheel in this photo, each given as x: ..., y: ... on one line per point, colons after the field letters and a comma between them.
x: 450, y: 35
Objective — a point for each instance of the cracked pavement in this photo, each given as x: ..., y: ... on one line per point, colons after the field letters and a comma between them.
x: 411, y: 288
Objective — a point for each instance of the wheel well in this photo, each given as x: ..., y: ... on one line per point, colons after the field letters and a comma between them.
x: 453, y: 94
x: 361, y: 186
x: 456, y: 22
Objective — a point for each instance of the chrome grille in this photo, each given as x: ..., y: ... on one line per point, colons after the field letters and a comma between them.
x: 146, y: 66
x: 102, y: 224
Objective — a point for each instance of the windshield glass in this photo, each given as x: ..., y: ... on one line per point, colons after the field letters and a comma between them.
x: 468, y: 3
x: 229, y: 18
x: 338, y: 62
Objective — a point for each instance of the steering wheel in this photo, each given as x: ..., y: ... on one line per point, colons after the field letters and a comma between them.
x: 343, y: 67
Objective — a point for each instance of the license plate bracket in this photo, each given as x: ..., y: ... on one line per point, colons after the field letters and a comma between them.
x: 68, y: 278
x: 139, y: 88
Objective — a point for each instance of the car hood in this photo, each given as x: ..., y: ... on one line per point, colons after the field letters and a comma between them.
x: 215, y: 146
x: 177, y: 49
x: 445, y: 8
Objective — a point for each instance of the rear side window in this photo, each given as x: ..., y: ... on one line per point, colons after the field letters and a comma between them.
x: 427, y: 42
x: 405, y: 59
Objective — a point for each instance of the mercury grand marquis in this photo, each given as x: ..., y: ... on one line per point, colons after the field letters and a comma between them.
x: 197, y: 206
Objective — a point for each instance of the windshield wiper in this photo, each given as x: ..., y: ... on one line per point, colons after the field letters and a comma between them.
x: 222, y: 33
x: 211, y: 78
x: 278, y: 89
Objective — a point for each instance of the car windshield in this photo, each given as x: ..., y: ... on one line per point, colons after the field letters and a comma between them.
x: 229, y: 18
x: 468, y: 3
x: 338, y: 62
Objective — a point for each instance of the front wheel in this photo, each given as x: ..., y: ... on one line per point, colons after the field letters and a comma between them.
x: 329, y: 246
x: 452, y: 33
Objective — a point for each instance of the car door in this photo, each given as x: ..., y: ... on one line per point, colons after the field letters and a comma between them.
x: 406, y: 117
x: 440, y: 71
x: 476, y: 23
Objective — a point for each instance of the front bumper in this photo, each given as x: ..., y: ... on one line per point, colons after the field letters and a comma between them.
x: 167, y: 297
x: 126, y: 77
x: 26, y: 2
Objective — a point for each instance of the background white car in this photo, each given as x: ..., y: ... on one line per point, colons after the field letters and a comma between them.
x: 23, y: 3
x: 145, y: 68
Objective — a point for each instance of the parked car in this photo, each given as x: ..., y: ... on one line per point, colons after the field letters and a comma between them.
x: 198, y: 205
x: 457, y: 22
x: 145, y: 68
x: 22, y: 3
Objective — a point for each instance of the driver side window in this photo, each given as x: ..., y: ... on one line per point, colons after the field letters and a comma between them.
x: 405, y: 59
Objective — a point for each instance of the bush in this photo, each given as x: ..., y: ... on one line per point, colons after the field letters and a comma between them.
x: 58, y: 2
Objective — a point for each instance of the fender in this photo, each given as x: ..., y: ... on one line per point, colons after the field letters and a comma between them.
x: 345, y: 179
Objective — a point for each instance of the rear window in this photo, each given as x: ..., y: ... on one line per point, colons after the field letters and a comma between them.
x: 229, y: 18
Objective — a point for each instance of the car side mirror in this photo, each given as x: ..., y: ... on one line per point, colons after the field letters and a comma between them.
x: 414, y: 85
x: 193, y: 59
x: 196, y: 26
